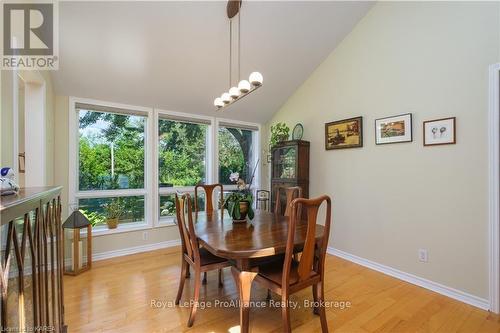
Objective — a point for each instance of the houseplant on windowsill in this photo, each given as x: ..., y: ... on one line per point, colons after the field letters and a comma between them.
x: 239, y: 203
x: 113, y: 212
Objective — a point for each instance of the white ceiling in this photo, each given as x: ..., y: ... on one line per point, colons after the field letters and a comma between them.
x: 174, y: 55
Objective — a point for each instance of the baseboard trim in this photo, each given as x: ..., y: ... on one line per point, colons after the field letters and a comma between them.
x: 135, y: 249
x: 413, y: 279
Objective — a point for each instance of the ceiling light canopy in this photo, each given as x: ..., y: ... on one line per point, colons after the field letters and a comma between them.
x: 255, y: 79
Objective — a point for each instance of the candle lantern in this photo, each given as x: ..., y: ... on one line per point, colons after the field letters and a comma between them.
x: 77, y: 244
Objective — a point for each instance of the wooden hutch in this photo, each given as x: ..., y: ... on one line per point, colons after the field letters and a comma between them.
x: 290, y: 167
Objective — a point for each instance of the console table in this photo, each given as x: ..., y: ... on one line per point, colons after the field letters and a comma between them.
x: 31, y: 261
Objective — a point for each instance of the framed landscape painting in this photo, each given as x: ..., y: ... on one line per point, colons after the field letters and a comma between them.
x: 439, y: 132
x: 394, y: 129
x: 346, y: 133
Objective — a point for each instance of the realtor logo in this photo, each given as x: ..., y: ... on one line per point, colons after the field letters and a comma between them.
x: 29, y: 36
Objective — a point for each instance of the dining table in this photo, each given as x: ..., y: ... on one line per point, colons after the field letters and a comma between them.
x: 245, y: 243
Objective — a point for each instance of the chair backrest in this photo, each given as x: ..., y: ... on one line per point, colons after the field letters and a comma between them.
x: 313, y: 254
x: 184, y: 214
x: 209, y: 191
x: 292, y: 192
x: 262, y: 199
x: 262, y: 194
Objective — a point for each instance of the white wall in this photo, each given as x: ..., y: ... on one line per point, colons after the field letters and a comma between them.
x: 430, y: 59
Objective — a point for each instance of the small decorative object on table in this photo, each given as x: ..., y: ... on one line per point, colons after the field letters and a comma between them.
x: 7, y: 184
x: 439, y: 132
x: 239, y: 203
x: 113, y: 212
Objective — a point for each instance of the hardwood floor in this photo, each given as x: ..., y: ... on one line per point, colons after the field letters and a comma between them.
x: 117, y: 295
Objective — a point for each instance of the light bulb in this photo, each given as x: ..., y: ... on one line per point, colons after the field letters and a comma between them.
x: 226, y: 98
x: 244, y: 86
x: 218, y: 102
x: 256, y: 79
x: 234, y: 92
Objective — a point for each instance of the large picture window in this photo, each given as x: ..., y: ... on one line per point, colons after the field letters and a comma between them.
x: 137, y: 158
x: 181, y: 153
x: 111, y: 151
x: 237, y: 152
x: 111, y: 156
x: 182, y: 160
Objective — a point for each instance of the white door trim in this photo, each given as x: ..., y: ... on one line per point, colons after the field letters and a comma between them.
x: 494, y: 187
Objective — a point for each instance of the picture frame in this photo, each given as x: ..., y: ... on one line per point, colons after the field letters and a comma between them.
x: 345, y: 133
x: 394, y: 129
x: 439, y: 132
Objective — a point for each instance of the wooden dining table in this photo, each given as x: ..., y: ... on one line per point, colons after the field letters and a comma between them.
x: 264, y: 236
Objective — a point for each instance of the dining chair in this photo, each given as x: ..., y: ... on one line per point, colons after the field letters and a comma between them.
x: 200, y: 259
x: 209, y: 191
x: 262, y: 199
x: 293, y: 275
x: 209, y: 207
x: 291, y: 193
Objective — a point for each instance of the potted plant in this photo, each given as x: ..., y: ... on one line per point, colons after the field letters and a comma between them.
x: 239, y: 203
x: 279, y: 133
x: 113, y: 212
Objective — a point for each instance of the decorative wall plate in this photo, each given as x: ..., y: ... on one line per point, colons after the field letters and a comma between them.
x: 298, y: 132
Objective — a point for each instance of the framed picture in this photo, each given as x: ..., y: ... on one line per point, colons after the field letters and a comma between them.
x: 347, y: 133
x: 440, y: 132
x: 393, y: 129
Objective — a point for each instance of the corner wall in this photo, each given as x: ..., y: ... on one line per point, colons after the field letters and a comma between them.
x: 430, y: 59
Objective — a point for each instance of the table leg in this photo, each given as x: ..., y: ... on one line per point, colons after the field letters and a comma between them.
x: 243, y: 278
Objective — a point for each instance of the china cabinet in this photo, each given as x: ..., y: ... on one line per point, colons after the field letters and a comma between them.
x: 290, y: 167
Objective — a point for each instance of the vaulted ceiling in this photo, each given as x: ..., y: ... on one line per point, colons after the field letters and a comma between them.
x: 174, y: 55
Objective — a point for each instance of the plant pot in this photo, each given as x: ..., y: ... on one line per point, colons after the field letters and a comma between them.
x: 243, y: 205
x: 112, y: 223
x: 282, y: 138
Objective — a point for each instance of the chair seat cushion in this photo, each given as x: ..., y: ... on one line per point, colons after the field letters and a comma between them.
x: 273, y: 272
x: 207, y: 258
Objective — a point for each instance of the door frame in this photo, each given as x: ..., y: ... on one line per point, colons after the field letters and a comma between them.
x: 494, y: 187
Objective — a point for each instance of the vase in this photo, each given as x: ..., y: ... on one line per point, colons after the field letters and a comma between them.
x: 243, y: 205
x: 112, y: 223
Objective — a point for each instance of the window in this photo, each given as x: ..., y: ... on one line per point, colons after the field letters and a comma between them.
x: 111, y: 154
x: 111, y: 149
x: 182, y: 161
x: 181, y: 153
x: 133, y: 209
x: 237, y: 152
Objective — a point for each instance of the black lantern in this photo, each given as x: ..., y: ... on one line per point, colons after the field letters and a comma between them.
x: 79, y: 247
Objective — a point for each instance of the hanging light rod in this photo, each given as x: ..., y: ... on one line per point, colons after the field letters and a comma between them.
x: 255, y: 79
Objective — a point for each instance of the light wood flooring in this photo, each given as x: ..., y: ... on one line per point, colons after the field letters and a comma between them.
x: 116, y: 295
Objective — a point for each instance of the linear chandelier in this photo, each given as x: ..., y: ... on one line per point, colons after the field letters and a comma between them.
x: 244, y: 87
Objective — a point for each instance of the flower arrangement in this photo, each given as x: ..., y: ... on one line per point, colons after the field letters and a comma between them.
x: 239, y: 203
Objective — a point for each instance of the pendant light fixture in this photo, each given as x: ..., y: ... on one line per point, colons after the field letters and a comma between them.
x: 244, y: 87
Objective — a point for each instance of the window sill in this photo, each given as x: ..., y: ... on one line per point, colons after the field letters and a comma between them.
x: 100, y: 231
x: 166, y: 222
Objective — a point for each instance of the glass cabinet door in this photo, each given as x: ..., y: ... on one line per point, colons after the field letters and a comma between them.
x: 285, y: 162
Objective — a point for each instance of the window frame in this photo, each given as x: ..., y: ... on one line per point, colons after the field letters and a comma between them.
x: 74, y: 192
x: 151, y: 190
x: 256, y: 142
x: 209, y: 153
